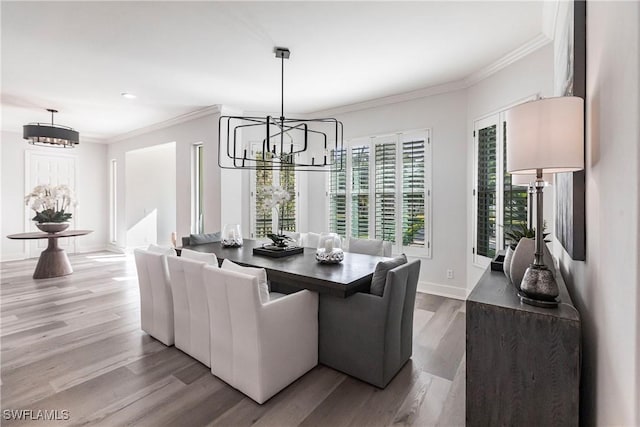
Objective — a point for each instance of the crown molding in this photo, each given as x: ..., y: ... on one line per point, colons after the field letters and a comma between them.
x: 92, y: 140
x: 213, y: 109
x: 394, y: 99
x: 526, y: 49
x: 531, y: 46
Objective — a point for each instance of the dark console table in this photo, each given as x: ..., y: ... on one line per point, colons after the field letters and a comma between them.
x: 523, y: 362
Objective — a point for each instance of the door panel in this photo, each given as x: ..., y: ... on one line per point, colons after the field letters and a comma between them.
x: 54, y: 169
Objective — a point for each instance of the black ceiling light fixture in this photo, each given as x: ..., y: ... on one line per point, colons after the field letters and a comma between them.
x: 305, y: 144
x: 50, y: 135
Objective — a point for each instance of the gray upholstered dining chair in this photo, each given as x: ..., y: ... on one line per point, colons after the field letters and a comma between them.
x: 368, y: 336
x: 374, y: 247
x: 202, y: 238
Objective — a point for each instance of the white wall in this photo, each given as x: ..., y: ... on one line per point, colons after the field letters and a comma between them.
x: 605, y: 286
x: 150, y: 195
x: 185, y: 134
x: 529, y: 76
x: 92, y: 193
x: 445, y: 115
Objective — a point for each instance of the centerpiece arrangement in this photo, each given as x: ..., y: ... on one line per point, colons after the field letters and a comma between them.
x: 51, y: 203
x: 275, y: 198
x: 329, y: 250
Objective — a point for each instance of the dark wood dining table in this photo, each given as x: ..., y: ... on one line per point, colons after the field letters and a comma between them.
x: 302, y: 271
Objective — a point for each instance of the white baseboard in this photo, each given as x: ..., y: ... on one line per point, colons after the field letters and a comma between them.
x: 443, y: 290
x: 13, y: 256
x: 93, y: 248
x: 19, y: 256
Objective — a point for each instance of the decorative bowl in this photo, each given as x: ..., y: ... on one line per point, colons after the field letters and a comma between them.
x: 52, y: 227
x: 333, y: 257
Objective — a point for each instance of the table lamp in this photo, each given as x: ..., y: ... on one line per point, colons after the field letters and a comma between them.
x: 529, y: 181
x: 546, y: 135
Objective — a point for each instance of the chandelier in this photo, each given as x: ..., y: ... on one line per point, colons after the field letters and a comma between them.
x: 304, y: 144
x: 50, y: 135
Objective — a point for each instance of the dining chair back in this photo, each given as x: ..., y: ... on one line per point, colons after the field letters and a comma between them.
x: 190, y: 308
x: 374, y: 247
x: 259, y: 348
x: 156, y: 300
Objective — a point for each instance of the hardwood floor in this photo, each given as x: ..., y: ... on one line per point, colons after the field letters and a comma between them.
x: 74, y: 344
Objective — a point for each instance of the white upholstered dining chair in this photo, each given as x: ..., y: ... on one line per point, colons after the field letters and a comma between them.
x: 259, y: 348
x: 190, y: 307
x: 374, y: 247
x: 156, y: 300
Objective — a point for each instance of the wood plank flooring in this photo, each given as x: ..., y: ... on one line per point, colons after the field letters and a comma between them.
x: 74, y: 343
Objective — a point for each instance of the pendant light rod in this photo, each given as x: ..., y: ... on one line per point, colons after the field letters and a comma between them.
x: 52, y: 111
x: 282, y: 53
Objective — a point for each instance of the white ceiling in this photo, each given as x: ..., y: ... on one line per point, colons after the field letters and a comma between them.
x: 179, y: 57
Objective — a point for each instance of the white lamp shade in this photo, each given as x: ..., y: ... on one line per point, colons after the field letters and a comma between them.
x: 526, y: 179
x: 546, y: 134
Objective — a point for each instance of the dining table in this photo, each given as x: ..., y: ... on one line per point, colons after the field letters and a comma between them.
x: 302, y: 271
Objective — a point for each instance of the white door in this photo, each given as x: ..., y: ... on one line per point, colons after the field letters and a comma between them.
x: 54, y: 168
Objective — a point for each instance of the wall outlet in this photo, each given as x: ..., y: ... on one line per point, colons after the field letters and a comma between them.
x: 450, y: 274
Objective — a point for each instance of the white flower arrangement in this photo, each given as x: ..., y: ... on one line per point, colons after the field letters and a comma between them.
x: 275, y: 197
x: 51, y: 202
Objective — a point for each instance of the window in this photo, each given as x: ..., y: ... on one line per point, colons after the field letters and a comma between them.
x: 263, y: 220
x: 197, y: 222
x: 498, y: 204
x: 385, y: 181
x: 338, y: 195
x: 113, y: 201
x: 385, y: 187
x: 360, y: 191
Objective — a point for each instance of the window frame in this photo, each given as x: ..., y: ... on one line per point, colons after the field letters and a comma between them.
x: 197, y: 181
x: 398, y: 138
x: 113, y: 201
x: 499, y: 119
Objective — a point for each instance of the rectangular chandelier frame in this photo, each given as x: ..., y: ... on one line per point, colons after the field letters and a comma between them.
x: 281, y: 149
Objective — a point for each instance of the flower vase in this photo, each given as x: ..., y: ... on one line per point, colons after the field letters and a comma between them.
x: 506, y: 264
x: 52, y: 227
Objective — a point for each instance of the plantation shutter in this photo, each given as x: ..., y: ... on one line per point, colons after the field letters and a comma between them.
x: 288, y: 182
x: 515, y: 196
x: 360, y: 192
x: 264, y: 178
x: 385, y: 191
x: 413, y: 192
x: 338, y: 194
x: 486, y: 188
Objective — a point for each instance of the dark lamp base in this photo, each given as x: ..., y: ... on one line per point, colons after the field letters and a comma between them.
x: 539, y: 287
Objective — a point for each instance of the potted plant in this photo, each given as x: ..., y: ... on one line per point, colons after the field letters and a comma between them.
x: 50, y: 203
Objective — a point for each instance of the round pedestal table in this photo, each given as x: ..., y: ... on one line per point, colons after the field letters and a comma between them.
x: 53, y: 261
